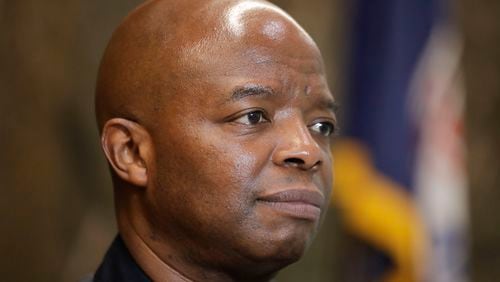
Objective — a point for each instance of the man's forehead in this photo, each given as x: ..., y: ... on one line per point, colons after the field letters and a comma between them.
x: 250, y: 33
x: 261, y: 17
x: 163, y: 44
x: 229, y: 29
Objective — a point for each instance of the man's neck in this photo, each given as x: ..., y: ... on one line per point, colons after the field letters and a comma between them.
x: 151, y: 264
x: 157, y: 267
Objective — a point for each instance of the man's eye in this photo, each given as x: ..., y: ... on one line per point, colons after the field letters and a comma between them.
x: 251, y: 118
x: 323, y: 128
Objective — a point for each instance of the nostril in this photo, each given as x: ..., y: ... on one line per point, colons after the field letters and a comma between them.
x: 295, y: 161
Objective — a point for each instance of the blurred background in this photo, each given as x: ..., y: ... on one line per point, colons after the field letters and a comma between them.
x: 417, y: 163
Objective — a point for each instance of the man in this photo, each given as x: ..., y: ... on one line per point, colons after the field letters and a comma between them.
x: 216, y: 120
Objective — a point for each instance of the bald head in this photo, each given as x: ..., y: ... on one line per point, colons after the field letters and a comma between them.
x: 216, y: 120
x: 163, y: 44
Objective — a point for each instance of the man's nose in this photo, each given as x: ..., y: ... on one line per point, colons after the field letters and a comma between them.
x: 297, y: 148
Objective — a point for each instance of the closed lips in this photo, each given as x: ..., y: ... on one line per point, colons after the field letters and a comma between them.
x: 298, y: 203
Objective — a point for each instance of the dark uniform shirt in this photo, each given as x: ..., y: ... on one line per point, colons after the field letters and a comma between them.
x: 118, y: 265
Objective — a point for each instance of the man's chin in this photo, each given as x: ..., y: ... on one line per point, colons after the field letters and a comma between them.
x: 266, y: 264
x: 279, y: 252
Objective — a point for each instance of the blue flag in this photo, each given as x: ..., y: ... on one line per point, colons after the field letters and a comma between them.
x: 400, y: 182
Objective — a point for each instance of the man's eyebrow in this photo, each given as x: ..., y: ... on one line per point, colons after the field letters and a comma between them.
x: 241, y: 92
x: 332, y: 106
x: 328, y: 104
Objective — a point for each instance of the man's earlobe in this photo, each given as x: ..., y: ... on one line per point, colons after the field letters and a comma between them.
x: 127, y: 146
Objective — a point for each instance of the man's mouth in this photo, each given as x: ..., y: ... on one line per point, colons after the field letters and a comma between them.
x: 297, y: 203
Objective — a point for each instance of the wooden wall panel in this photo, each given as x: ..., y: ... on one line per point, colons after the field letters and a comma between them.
x: 53, y: 179
x: 480, y: 20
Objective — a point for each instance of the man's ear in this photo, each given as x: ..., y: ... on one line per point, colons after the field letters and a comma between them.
x: 128, y: 148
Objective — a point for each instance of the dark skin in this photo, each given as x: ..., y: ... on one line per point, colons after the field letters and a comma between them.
x: 216, y: 120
